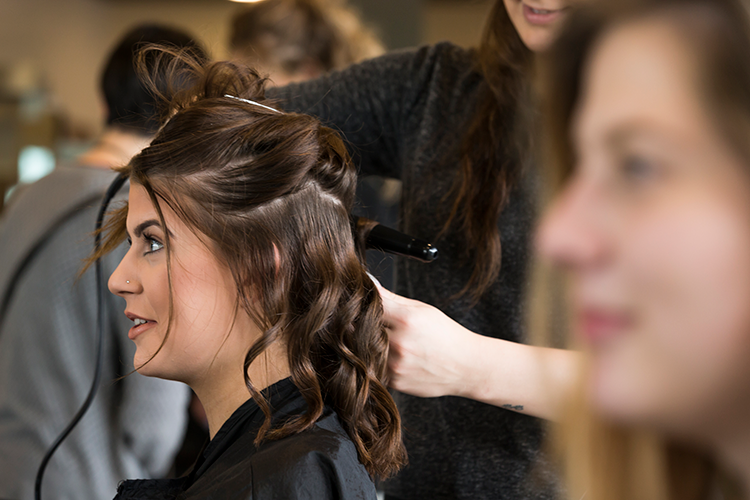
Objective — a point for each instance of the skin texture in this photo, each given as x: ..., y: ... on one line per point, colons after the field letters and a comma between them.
x: 654, y: 229
x: 208, y: 339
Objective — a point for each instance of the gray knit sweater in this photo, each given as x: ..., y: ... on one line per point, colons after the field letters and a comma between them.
x: 404, y: 115
x: 47, y: 351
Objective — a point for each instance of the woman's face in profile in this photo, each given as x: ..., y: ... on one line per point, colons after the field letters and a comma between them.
x: 654, y: 229
x: 199, y: 342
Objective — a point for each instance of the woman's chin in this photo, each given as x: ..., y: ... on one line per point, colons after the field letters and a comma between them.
x: 614, y: 401
x: 539, y: 39
x: 144, y: 365
x: 627, y: 407
x: 156, y: 368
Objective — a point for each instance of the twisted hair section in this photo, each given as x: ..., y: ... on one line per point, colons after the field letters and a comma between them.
x: 270, y: 193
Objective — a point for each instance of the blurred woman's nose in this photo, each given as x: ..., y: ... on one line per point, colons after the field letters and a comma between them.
x: 571, y: 234
x: 124, y: 280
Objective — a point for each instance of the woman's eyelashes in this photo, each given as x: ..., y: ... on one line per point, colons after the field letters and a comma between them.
x: 153, y: 245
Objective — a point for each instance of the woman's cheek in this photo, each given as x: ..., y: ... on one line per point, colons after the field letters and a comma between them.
x: 688, y: 270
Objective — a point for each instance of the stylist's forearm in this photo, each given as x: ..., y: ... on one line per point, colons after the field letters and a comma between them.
x: 519, y: 377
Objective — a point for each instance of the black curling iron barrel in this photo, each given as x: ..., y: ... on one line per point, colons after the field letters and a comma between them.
x: 385, y: 239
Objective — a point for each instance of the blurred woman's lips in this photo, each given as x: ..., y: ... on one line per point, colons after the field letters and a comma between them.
x: 597, y: 325
x: 539, y: 16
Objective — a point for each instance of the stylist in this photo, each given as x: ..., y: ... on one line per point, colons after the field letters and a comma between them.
x: 448, y: 123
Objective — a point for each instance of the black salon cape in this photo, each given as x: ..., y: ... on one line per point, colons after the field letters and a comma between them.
x: 320, y: 463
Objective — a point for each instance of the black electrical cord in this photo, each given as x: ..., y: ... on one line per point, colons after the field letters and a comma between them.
x: 111, y: 191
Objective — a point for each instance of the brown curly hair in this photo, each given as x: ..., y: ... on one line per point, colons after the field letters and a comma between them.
x: 272, y: 191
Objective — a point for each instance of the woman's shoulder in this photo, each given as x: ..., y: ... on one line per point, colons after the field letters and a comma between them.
x: 321, y: 462
x: 451, y: 55
x: 442, y: 60
x: 448, y: 52
x: 326, y: 442
x: 318, y: 463
x: 409, y: 67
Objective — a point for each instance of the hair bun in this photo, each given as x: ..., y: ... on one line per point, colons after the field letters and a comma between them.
x: 180, y: 77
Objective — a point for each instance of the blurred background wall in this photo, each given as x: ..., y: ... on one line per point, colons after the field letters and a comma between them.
x: 51, y: 52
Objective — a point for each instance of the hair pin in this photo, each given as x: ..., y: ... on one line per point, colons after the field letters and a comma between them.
x: 252, y: 102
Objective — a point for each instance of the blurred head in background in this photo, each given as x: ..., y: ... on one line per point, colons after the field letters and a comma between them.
x: 649, y: 108
x: 130, y: 106
x: 132, y: 112
x: 295, y: 40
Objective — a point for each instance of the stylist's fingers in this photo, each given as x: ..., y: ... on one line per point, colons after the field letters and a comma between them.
x: 406, y: 337
x: 408, y: 323
x: 395, y: 307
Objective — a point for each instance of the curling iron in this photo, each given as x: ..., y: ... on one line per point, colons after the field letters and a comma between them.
x: 385, y: 239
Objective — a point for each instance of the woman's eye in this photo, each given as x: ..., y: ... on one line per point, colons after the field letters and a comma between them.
x: 153, y: 245
x: 637, y: 168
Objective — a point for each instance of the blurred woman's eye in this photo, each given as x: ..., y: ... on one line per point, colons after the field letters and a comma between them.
x: 638, y: 168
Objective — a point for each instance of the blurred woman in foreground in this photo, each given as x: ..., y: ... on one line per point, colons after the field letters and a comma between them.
x: 649, y: 108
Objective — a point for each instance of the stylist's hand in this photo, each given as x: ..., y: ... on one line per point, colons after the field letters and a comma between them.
x: 430, y: 354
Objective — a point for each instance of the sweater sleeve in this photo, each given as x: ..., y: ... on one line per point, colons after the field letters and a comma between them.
x: 375, y: 104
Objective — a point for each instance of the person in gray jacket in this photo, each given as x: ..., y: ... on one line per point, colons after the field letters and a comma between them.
x: 48, y: 318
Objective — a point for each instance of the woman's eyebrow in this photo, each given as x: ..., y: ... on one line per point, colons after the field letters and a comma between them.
x: 635, y: 129
x: 138, y: 231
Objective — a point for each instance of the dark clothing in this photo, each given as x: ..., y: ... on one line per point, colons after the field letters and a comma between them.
x: 320, y: 463
x: 403, y: 116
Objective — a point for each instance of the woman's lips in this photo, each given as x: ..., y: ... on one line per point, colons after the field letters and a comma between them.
x: 598, y: 325
x: 140, y: 324
x: 137, y: 330
x: 541, y: 17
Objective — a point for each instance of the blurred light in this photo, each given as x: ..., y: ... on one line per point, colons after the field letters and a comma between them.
x: 34, y: 162
x: 245, y: 1
x: 8, y: 194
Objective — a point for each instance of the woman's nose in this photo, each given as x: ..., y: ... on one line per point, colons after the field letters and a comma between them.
x: 570, y: 235
x: 123, y: 280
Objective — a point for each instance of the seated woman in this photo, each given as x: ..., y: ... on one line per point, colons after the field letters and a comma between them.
x: 243, y: 281
x: 650, y: 101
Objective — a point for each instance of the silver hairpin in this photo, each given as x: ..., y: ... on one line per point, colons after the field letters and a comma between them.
x: 252, y: 102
